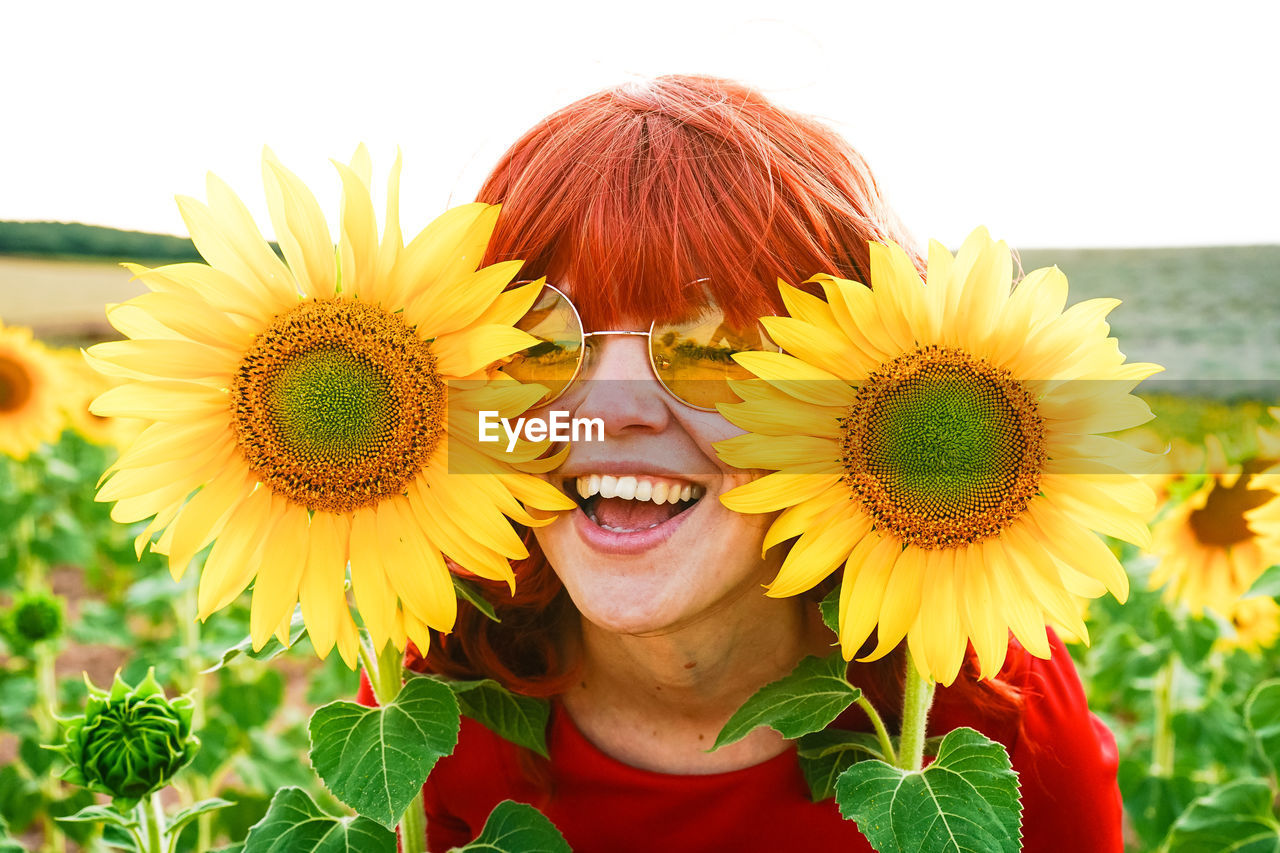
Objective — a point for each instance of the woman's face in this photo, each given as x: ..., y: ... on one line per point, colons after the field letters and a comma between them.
x: 632, y: 564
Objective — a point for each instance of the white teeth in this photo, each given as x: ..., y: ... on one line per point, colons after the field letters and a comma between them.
x: 608, y: 486
x: 637, y: 489
x: 626, y: 487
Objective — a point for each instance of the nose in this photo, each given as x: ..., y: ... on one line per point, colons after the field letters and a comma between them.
x: 617, y: 385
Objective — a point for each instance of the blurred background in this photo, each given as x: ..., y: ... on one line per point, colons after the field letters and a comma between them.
x: 1131, y: 144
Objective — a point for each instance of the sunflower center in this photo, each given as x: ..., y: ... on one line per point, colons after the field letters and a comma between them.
x: 942, y: 448
x: 1221, y: 522
x: 15, y: 385
x: 337, y: 405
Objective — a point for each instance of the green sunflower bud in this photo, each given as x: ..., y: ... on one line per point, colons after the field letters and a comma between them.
x: 34, y: 617
x: 130, y: 741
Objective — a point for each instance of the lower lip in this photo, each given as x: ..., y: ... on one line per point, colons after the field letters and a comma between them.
x: 629, y: 542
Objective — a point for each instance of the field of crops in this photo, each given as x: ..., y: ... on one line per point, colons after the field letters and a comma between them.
x: 1185, y: 681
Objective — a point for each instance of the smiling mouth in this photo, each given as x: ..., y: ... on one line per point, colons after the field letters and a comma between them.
x: 632, y: 503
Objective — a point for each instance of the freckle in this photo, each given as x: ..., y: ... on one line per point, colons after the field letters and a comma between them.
x: 583, y: 685
x: 691, y: 664
x: 657, y: 687
x: 701, y: 737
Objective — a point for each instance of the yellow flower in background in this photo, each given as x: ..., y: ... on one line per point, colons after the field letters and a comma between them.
x: 1265, y: 519
x: 320, y: 409
x: 1210, y: 553
x: 941, y: 441
x: 81, y: 385
x: 1256, y: 624
x: 29, y: 386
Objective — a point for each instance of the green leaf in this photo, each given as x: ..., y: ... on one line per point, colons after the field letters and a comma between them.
x: 517, y: 828
x: 193, y: 811
x: 470, y: 592
x: 824, y: 755
x: 1262, y: 716
x: 830, y: 610
x: 1267, y: 584
x: 7, y: 844
x: 806, y: 701
x: 520, y: 719
x: 101, y: 814
x: 271, y: 649
x: 1236, y: 818
x: 1193, y: 640
x: 966, y: 801
x: 296, y: 824
x: 376, y: 759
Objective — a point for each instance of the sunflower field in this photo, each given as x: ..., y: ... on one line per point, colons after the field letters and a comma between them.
x: 179, y: 647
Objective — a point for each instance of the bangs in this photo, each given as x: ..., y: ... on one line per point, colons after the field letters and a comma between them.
x: 629, y: 199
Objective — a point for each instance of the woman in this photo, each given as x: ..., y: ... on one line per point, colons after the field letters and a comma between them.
x: 642, y: 614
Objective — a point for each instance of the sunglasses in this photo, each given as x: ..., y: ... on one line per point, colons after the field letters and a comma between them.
x: 693, y: 360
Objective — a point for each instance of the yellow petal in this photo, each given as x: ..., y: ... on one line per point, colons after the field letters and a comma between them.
x: 942, y: 638
x: 169, y: 359
x: 275, y: 589
x: 392, y: 241
x: 443, y: 309
x: 817, y: 553
x: 796, y: 519
x: 806, y: 382
x: 777, y: 491
x: 901, y: 600
x: 373, y: 591
x: 899, y: 294
x: 204, y: 516
x: 166, y: 400
x: 817, y: 346
x: 236, y: 554
x: 422, y: 263
x: 321, y: 590
x: 983, y: 622
x: 358, y: 246
x: 867, y: 573
x: 415, y: 567
x: 1015, y: 600
x: 300, y: 229
x: 776, y: 452
x: 463, y: 353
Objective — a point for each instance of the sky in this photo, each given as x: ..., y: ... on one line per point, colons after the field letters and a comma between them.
x: 1113, y: 123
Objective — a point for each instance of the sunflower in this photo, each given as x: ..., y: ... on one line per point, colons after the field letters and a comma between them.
x: 1255, y: 624
x: 323, y: 410
x: 1210, y: 552
x: 1265, y: 519
x: 942, y: 442
x: 82, y: 385
x: 29, y: 413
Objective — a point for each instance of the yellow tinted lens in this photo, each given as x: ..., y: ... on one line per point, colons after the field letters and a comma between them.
x: 553, y: 362
x: 695, y: 362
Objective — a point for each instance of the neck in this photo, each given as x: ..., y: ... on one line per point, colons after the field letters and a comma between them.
x: 658, y: 701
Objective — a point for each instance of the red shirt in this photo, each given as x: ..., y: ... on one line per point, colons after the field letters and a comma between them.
x: 1065, y: 757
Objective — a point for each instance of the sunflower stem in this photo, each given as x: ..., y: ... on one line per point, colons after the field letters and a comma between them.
x: 1163, y: 738
x: 385, y: 670
x: 917, y: 697
x: 886, y: 743
x: 152, y: 821
x: 187, y: 609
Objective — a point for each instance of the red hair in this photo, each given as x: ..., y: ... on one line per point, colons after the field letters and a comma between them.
x: 624, y: 199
